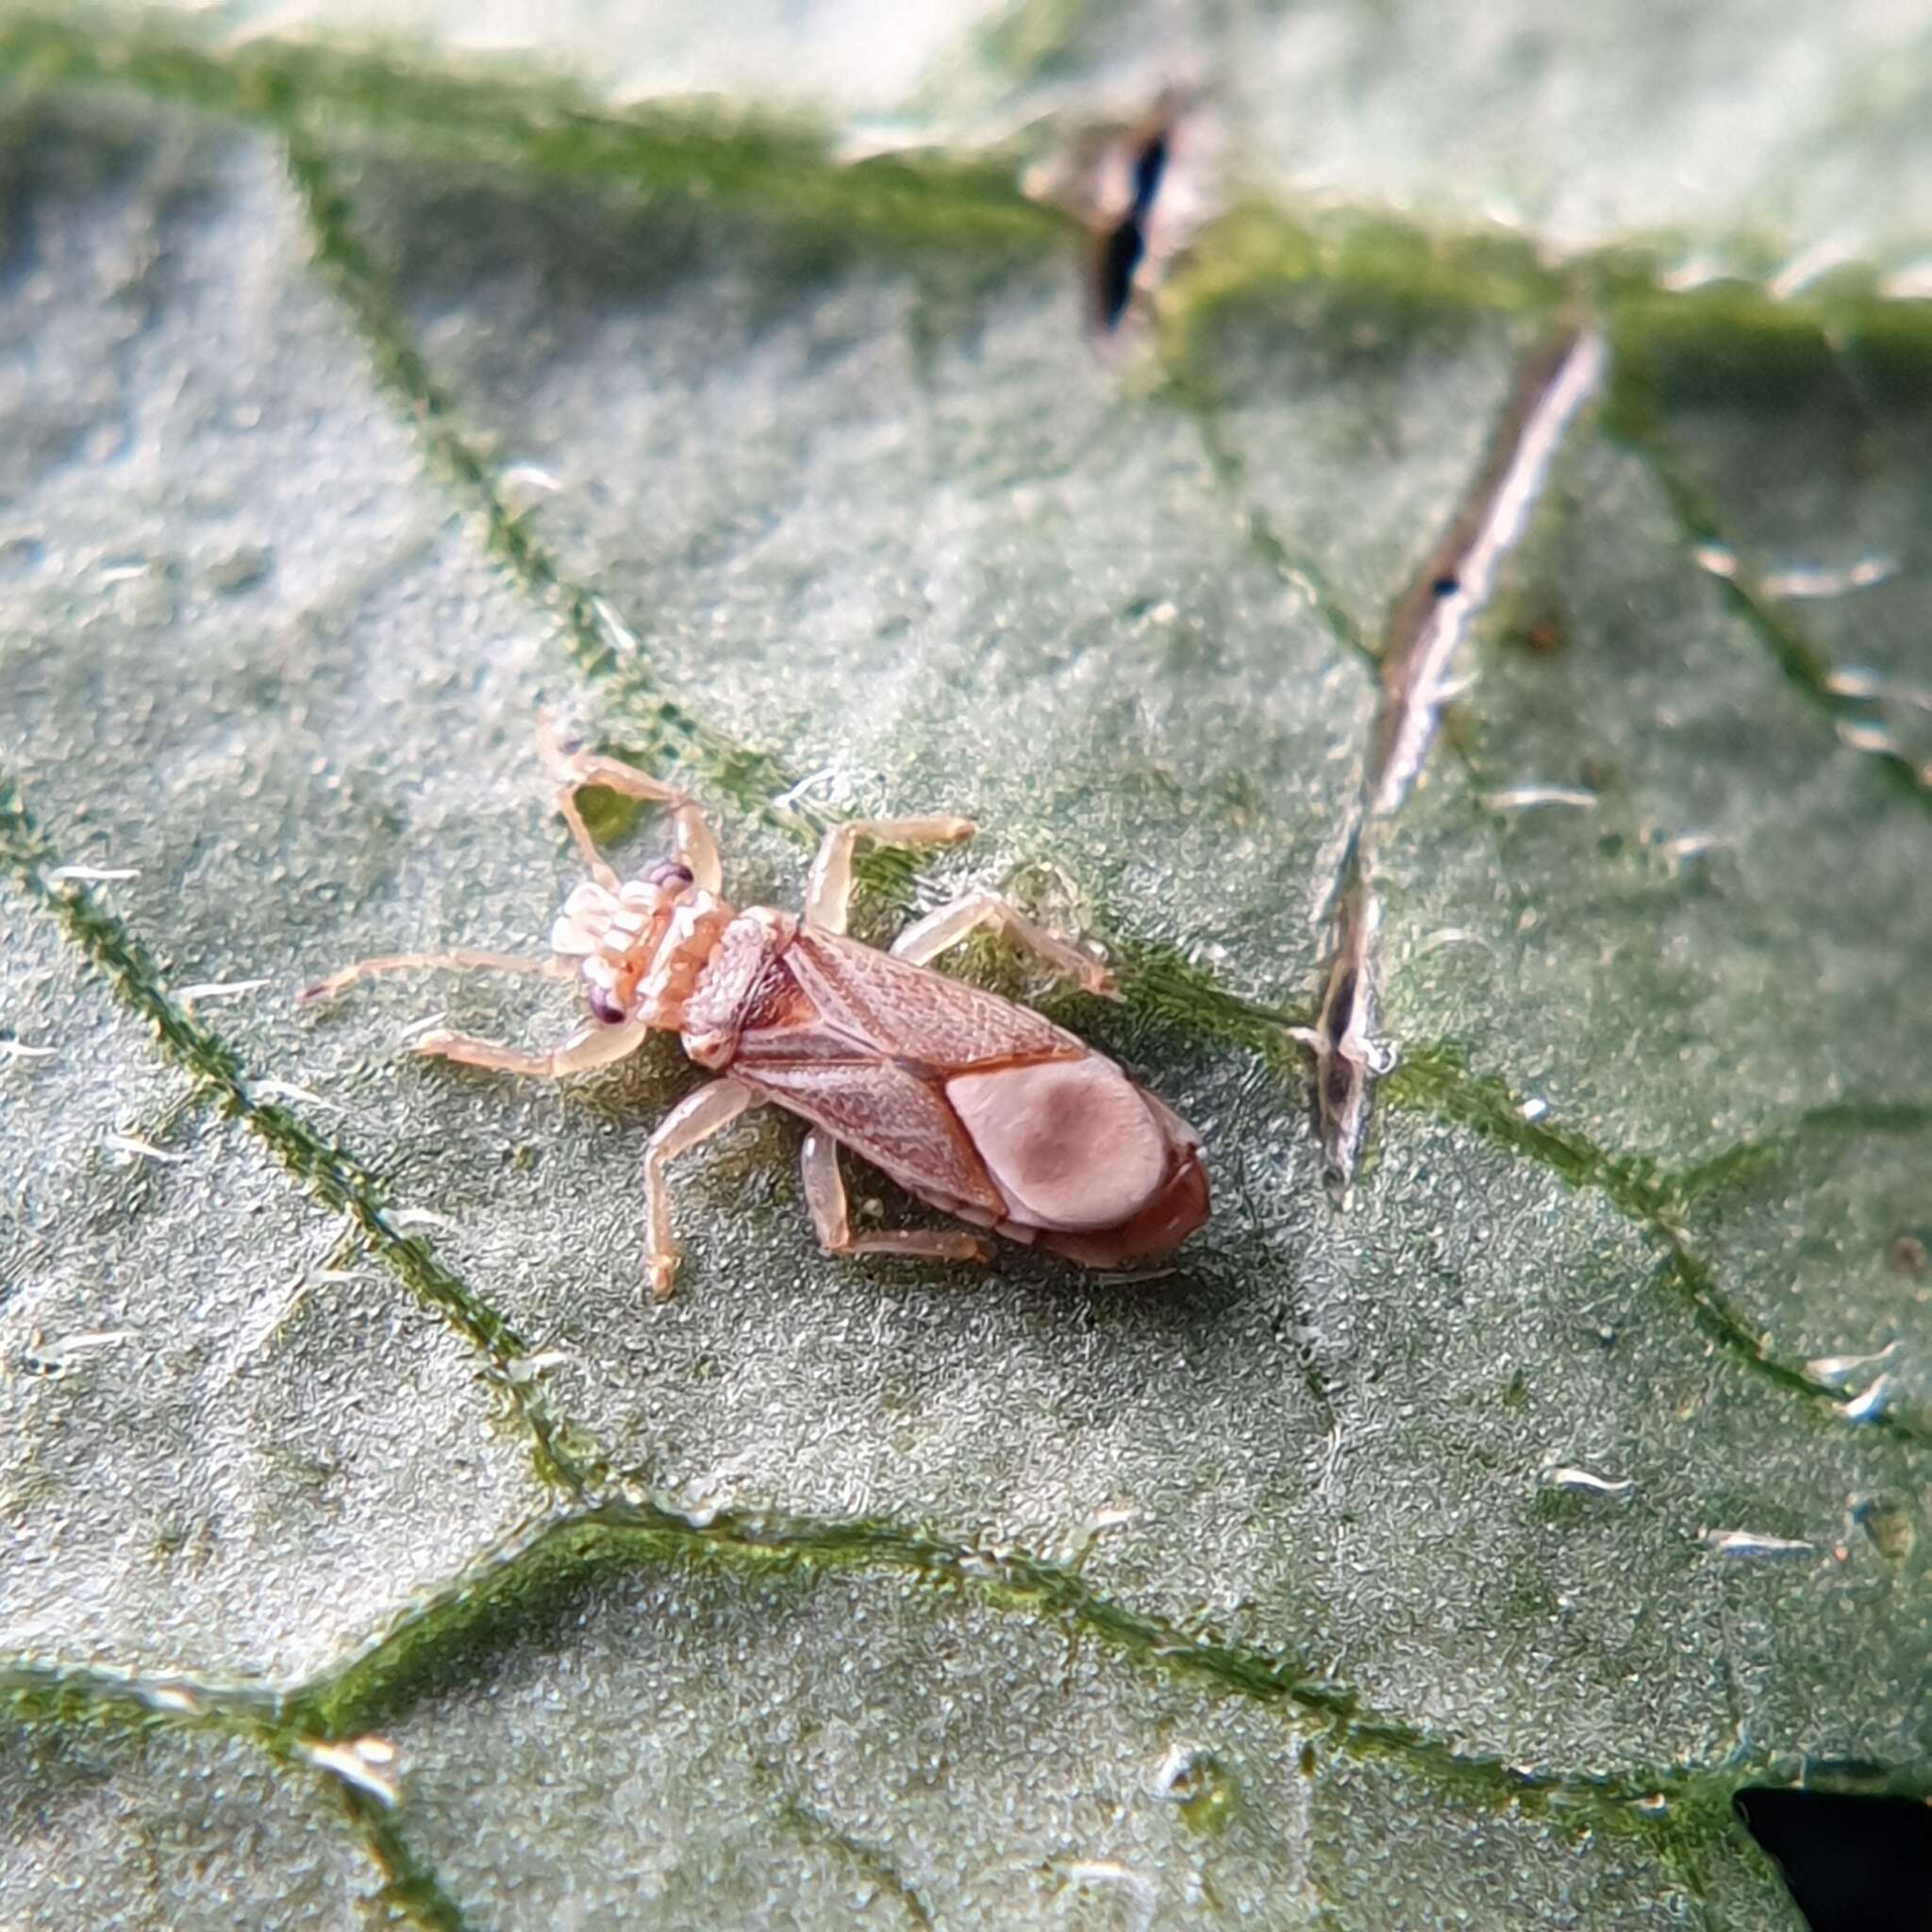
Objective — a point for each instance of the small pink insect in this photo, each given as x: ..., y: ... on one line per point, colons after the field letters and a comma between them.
x: 980, y: 1106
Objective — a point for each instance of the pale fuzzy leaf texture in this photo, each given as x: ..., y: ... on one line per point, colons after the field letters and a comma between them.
x: 373, y: 1550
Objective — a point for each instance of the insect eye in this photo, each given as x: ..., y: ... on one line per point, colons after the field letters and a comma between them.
x: 668, y: 875
x: 602, y: 1006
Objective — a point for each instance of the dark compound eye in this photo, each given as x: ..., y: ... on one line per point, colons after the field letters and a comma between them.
x: 602, y: 1006
x: 668, y: 875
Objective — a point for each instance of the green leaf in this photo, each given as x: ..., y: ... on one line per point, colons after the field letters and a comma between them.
x: 1448, y: 1553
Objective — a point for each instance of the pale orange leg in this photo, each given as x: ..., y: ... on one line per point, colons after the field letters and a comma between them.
x: 825, y: 1194
x: 928, y: 938
x: 592, y: 1047
x: 829, y: 888
x: 693, y: 1120
x: 461, y: 960
x: 691, y: 838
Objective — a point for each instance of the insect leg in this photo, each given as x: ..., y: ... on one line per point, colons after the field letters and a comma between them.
x: 461, y: 960
x: 829, y: 889
x: 694, y: 1119
x: 594, y: 1047
x: 825, y: 1194
x: 928, y: 938
x: 691, y: 838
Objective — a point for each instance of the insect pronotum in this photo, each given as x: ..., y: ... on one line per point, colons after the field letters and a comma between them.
x: 978, y: 1106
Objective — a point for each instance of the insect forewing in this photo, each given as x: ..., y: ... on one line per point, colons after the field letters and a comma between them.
x: 889, y: 1116
x: 863, y: 1046
x: 914, y: 1014
x: 977, y: 1104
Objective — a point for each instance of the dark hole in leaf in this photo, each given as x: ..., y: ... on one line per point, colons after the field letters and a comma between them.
x: 1150, y: 163
x: 1342, y: 1005
x: 1120, y: 254
x: 1853, y: 1864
